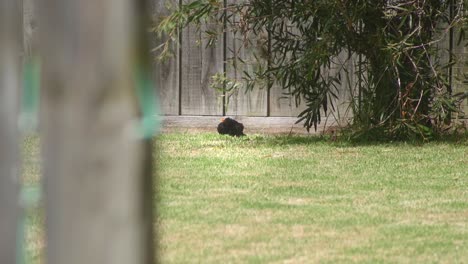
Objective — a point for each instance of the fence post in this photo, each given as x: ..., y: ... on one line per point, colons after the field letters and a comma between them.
x: 97, y: 179
x: 10, y: 65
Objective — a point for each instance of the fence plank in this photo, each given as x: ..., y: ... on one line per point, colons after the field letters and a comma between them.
x: 10, y: 41
x: 344, y: 69
x: 460, y: 70
x: 443, y: 46
x: 199, y: 63
x: 282, y: 104
x: 166, y: 73
x: 96, y: 178
x: 241, y: 102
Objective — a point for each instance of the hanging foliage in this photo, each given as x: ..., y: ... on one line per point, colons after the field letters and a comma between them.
x: 405, y: 87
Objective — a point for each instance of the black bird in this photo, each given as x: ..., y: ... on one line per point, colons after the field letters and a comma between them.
x: 231, y: 127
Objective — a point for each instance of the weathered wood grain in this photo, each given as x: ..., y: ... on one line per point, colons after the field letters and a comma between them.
x: 240, y: 57
x: 443, y: 46
x: 281, y: 103
x: 166, y: 72
x: 98, y: 206
x: 460, y: 70
x: 29, y: 27
x: 344, y: 69
x: 199, y: 64
x: 10, y: 63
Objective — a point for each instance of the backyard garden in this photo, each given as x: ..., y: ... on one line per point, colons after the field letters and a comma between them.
x: 350, y: 145
x: 296, y: 199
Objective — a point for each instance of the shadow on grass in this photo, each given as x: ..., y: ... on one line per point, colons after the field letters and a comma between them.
x: 343, y: 141
x: 264, y: 140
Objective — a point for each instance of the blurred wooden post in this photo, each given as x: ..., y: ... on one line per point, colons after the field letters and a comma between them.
x: 96, y: 170
x: 29, y: 28
x: 10, y: 65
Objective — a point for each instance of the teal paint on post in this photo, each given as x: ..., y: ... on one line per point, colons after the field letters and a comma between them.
x: 150, y: 122
x: 30, y: 95
x: 29, y: 196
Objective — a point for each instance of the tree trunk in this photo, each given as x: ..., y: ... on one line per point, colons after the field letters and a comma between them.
x: 97, y: 171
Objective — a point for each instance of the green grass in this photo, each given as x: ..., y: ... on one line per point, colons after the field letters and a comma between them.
x: 294, y: 199
x: 281, y: 199
x: 34, y: 221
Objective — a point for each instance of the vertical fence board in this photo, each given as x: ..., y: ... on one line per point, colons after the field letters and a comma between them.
x: 282, y: 104
x: 344, y: 69
x: 10, y: 43
x: 95, y: 175
x: 166, y: 72
x: 241, y: 102
x: 460, y: 70
x: 199, y: 63
x: 443, y: 45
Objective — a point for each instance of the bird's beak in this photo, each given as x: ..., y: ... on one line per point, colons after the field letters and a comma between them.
x: 222, y: 119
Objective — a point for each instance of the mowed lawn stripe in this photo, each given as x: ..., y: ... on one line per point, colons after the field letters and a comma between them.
x: 297, y: 199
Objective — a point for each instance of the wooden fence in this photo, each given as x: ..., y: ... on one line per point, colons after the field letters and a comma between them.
x: 184, y: 80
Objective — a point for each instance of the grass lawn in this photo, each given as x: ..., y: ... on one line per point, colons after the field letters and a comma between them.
x: 281, y: 199
x: 300, y: 200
